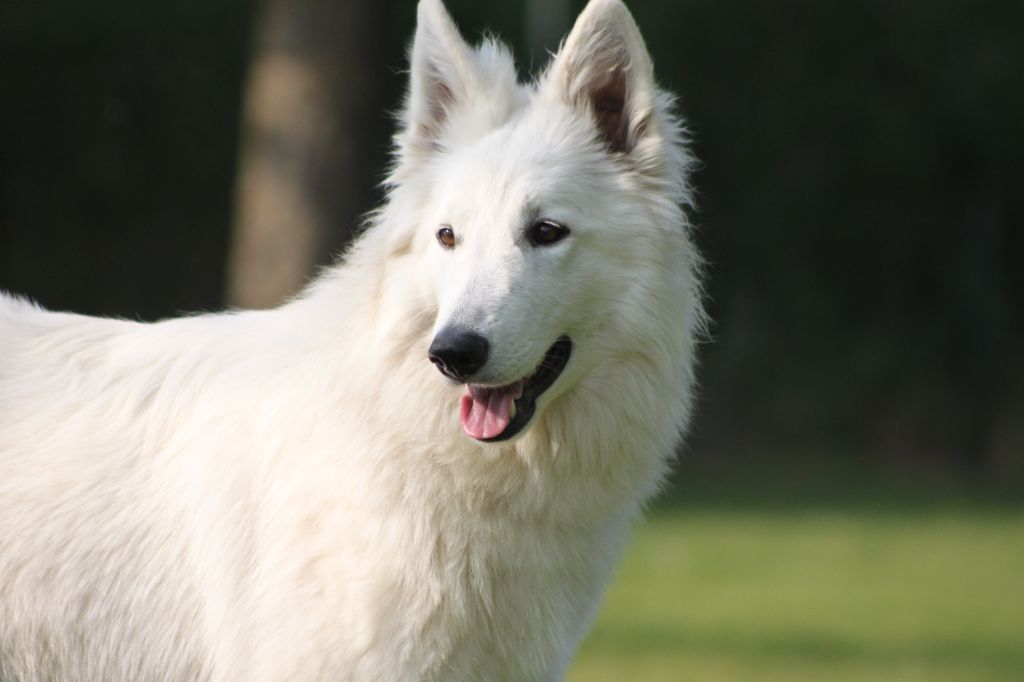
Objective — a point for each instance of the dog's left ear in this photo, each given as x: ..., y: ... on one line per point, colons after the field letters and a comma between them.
x: 603, y: 68
x: 441, y: 76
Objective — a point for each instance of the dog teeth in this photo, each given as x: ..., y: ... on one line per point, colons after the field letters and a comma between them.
x: 512, y: 410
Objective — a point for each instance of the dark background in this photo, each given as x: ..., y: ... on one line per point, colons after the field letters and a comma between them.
x: 859, y: 198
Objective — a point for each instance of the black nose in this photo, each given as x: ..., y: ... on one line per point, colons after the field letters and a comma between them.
x: 458, y: 353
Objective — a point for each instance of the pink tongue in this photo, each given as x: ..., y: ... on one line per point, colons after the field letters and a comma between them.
x: 484, y: 412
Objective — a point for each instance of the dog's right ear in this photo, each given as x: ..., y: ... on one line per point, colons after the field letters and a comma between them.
x: 603, y: 68
x: 441, y: 78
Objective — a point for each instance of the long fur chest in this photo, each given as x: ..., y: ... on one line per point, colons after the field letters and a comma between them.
x: 437, y: 583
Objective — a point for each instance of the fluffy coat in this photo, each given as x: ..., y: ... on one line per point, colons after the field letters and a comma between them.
x: 287, y: 494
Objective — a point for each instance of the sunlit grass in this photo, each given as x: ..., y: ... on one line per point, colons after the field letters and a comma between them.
x: 816, y: 592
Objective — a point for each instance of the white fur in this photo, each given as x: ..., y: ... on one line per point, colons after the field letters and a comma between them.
x: 288, y: 495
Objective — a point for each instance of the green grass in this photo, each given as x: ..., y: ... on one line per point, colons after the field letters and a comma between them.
x: 893, y: 585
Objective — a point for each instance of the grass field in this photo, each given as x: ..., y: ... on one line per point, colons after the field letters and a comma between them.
x: 845, y: 583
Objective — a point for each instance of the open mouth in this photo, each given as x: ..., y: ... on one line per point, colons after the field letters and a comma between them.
x: 492, y: 414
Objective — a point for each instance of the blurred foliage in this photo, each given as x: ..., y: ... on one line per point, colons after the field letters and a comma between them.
x: 859, y: 206
x: 119, y: 130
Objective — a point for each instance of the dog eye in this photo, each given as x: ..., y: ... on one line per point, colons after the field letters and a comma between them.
x: 446, y: 237
x: 547, y: 232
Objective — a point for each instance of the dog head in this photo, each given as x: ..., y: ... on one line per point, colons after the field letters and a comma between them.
x: 539, y: 209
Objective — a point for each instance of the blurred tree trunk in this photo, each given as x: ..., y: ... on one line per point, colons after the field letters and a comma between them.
x: 302, y: 178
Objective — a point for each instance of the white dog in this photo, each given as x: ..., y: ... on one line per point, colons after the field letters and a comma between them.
x: 299, y: 493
